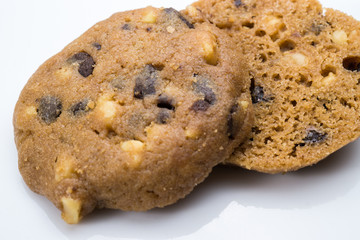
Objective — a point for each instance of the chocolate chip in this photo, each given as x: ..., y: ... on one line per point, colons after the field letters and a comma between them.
x: 238, y: 3
x: 164, y: 101
x: 97, y: 46
x: 145, y: 82
x: 202, y: 86
x: 317, y: 28
x: 352, y: 64
x: 314, y: 136
x: 174, y: 13
x: 118, y: 83
x: 86, y: 63
x: 163, y: 117
x: 232, y: 126
x: 80, y: 108
x: 49, y: 109
x: 126, y: 26
x: 257, y: 93
x: 200, y: 105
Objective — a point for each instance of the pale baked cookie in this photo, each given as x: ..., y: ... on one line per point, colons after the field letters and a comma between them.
x: 133, y: 114
x: 305, y: 74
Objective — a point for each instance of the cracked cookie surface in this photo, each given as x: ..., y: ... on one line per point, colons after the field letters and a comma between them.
x: 304, y: 70
x: 133, y: 114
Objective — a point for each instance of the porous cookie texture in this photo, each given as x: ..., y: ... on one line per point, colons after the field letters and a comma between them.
x: 305, y: 78
x: 133, y: 114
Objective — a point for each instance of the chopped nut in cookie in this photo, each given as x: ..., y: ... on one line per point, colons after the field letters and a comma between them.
x: 297, y: 58
x: 149, y: 15
x: 208, y: 47
x: 134, y: 148
x: 273, y: 24
x: 191, y: 133
x: 64, y: 73
x: 106, y: 109
x: 244, y: 105
x: 65, y: 167
x: 339, y: 37
x: 326, y: 81
x: 71, y: 210
x: 30, y: 111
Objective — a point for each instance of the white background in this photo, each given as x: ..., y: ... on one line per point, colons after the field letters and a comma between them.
x: 321, y: 202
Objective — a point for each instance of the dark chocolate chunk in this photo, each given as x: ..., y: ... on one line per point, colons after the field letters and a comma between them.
x: 352, y: 64
x: 257, y: 93
x: 97, y: 46
x: 49, y: 109
x: 174, y: 13
x: 164, y: 101
x: 314, y: 136
x: 118, y: 83
x: 126, y: 26
x: 200, y: 106
x: 202, y: 86
x: 145, y: 82
x: 86, y: 63
x: 317, y: 28
x: 232, y: 128
x: 163, y: 117
x: 238, y: 3
x: 80, y: 108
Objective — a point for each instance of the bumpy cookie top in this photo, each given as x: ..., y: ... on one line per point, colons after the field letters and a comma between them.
x: 133, y: 114
x: 305, y: 78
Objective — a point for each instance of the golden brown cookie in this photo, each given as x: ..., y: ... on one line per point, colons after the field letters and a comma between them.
x: 133, y: 114
x: 305, y: 75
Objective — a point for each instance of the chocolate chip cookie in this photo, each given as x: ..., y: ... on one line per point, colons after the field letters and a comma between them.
x: 133, y: 114
x: 305, y: 78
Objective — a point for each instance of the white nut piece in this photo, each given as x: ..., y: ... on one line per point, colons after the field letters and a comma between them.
x: 339, y: 37
x: 244, y: 104
x: 326, y: 81
x: 297, y: 58
x: 170, y: 29
x: 273, y: 24
x: 71, y: 210
x: 192, y: 133
x: 135, y: 149
x: 354, y: 35
x: 30, y: 111
x: 208, y: 48
x: 65, y: 167
x: 106, y: 109
x: 192, y: 11
x: 64, y: 73
x: 149, y: 16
